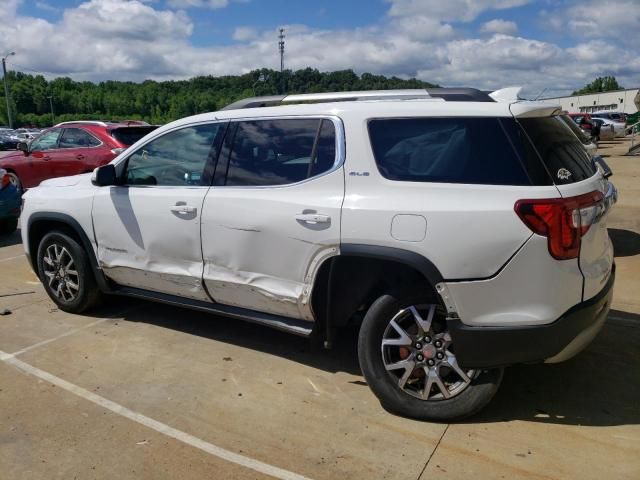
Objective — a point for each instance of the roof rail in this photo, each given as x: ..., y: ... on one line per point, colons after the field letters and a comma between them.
x: 460, y: 94
x: 90, y: 122
x: 274, y: 100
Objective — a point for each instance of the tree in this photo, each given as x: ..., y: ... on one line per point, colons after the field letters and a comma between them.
x: 600, y: 84
x: 160, y: 102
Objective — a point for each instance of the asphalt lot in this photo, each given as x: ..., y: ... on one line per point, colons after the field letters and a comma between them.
x: 140, y: 390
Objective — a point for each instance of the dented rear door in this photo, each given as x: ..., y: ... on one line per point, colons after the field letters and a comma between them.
x: 273, y: 214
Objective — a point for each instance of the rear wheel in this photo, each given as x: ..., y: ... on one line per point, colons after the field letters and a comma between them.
x: 408, y: 359
x: 65, y: 271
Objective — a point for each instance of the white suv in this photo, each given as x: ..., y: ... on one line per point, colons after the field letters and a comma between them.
x: 463, y: 232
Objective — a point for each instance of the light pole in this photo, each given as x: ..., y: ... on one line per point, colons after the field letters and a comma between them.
x: 6, y: 86
x: 53, y: 122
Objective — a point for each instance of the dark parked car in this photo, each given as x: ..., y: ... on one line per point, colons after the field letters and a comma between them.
x: 8, y: 141
x: 70, y: 148
x: 10, y: 202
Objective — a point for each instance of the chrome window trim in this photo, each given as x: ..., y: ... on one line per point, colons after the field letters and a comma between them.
x: 340, y: 148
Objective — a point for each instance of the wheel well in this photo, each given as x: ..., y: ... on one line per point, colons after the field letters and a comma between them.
x: 347, y: 285
x: 39, y: 228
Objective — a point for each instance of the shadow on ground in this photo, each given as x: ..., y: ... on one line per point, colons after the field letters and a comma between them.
x: 11, y: 239
x: 599, y: 387
x: 626, y: 243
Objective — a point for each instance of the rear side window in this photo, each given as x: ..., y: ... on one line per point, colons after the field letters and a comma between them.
x: 560, y: 150
x: 77, y: 138
x: 280, y: 151
x: 454, y: 150
x: 130, y: 135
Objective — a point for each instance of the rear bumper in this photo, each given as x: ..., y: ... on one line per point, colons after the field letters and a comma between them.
x: 484, y: 347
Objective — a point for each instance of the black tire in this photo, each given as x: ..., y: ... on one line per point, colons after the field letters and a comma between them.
x: 16, y: 181
x: 8, y: 225
x: 87, y: 293
x: 467, y: 402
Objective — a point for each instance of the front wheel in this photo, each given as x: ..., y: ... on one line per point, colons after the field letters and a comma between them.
x: 408, y: 359
x: 65, y: 271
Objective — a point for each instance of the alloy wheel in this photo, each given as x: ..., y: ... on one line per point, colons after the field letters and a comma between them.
x: 418, y: 353
x: 60, y: 270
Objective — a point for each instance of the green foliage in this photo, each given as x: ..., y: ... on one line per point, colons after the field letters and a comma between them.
x: 161, y: 102
x: 600, y: 84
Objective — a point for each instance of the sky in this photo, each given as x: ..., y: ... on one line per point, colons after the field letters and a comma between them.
x: 547, y: 46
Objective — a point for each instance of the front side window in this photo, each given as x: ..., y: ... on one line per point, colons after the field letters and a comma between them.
x: 280, y: 151
x: 77, y: 138
x: 46, y: 141
x: 453, y: 150
x: 177, y: 158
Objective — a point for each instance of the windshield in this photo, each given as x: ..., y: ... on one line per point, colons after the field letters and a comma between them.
x: 130, y: 135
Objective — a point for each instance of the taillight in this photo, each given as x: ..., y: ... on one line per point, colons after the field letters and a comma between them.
x: 564, y: 221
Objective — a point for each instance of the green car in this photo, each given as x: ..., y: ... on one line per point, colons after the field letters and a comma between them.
x: 10, y: 202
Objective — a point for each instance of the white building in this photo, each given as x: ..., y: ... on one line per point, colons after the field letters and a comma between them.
x: 627, y: 101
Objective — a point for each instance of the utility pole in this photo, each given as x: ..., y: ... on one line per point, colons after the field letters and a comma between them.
x: 53, y: 122
x: 6, y: 86
x: 281, y: 49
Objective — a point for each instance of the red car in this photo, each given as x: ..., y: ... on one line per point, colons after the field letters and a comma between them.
x: 70, y: 148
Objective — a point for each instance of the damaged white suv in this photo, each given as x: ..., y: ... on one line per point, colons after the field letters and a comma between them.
x: 462, y: 231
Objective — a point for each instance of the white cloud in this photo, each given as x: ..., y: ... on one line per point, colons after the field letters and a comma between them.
x: 605, y: 18
x: 243, y: 34
x: 46, y: 7
x: 213, y: 4
x: 499, y: 26
x: 132, y: 40
x: 450, y: 10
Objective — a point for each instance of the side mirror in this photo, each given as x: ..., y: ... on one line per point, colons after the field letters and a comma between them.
x: 24, y: 147
x: 599, y: 162
x: 104, y: 176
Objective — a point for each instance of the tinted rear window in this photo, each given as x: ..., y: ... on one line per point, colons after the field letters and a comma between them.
x: 130, y: 135
x: 489, y: 151
x: 560, y: 150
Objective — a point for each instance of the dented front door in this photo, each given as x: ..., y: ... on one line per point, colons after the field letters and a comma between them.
x: 263, y: 244
x: 148, y: 229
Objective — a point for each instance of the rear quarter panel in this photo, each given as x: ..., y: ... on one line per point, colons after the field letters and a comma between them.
x: 471, y: 230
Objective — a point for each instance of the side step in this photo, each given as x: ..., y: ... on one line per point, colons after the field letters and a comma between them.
x: 285, y: 324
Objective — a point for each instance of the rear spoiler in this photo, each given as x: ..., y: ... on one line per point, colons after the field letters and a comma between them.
x: 524, y: 108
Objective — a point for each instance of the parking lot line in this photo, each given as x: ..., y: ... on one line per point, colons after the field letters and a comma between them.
x: 148, y: 422
x: 62, y: 335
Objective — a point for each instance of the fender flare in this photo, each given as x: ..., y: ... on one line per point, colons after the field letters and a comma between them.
x: 73, y: 224
x: 407, y: 257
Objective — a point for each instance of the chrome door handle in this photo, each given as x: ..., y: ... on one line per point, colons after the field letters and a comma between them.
x: 313, y: 218
x: 183, y: 209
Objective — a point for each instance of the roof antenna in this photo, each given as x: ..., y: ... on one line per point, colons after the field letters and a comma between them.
x: 543, y: 90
